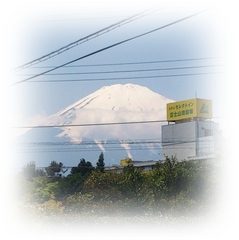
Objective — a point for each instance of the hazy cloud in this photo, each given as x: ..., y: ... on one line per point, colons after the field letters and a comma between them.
x: 103, y: 132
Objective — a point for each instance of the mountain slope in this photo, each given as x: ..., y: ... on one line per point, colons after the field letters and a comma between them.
x: 111, y: 104
x: 120, y: 97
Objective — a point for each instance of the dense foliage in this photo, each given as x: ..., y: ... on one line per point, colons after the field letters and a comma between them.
x: 172, y: 189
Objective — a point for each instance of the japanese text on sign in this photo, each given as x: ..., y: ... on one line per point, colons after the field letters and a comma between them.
x: 189, y: 109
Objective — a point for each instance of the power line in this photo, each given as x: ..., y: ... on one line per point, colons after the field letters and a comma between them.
x: 92, y: 142
x: 130, y: 146
x: 88, y: 124
x: 133, y: 63
x: 82, y: 40
x: 91, y: 124
x: 129, y: 71
x: 108, y: 47
x: 124, y: 78
x: 109, y: 142
x: 96, y: 150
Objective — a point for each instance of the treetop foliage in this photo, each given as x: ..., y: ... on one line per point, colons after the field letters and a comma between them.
x: 172, y: 188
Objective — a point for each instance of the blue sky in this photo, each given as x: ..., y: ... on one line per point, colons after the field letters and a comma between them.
x: 31, y: 29
x: 43, y: 27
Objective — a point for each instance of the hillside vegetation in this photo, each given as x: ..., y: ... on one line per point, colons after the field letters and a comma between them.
x: 173, y: 190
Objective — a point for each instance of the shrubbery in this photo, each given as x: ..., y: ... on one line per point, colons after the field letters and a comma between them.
x: 173, y: 188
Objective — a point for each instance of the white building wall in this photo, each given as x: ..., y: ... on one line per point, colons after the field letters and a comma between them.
x: 206, y: 145
x: 189, y: 139
x: 181, y: 151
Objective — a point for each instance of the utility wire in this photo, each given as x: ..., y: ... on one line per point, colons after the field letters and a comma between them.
x: 94, y: 147
x: 88, y: 124
x: 108, y: 47
x: 127, y: 71
x: 109, y: 142
x: 98, y: 150
x: 133, y: 63
x: 87, y: 38
x: 124, y: 78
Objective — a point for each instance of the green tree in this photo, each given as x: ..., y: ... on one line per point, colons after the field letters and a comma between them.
x: 41, y: 189
x: 103, y: 185
x: 169, y: 176
x: 105, y: 189
x: 133, y: 181
x: 69, y: 185
x: 100, y: 165
x: 84, y: 168
x: 30, y: 172
x: 54, y: 169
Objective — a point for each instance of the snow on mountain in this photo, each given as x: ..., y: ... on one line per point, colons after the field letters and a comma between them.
x: 110, y: 104
x: 119, y: 97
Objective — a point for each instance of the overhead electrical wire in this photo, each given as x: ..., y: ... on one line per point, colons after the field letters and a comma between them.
x: 108, y: 47
x: 109, y: 142
x: 108, y: 145
x: 124, y: 78
x: 112, y: 147
x: 84, y: 39
x: 129, y: 71
x: 105, y: 141
x: 88, y: 124
x: 87, y: 149
x: 133, y: 63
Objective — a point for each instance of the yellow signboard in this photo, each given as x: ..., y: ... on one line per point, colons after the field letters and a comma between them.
x: 125, y: 161
x: 196, y: 107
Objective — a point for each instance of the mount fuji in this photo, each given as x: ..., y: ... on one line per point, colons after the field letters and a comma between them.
x: 89, y: 129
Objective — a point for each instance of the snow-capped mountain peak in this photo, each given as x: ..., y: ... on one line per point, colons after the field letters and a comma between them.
x: 110, y: 104
x: 113, y: 104
x: 129, y: 97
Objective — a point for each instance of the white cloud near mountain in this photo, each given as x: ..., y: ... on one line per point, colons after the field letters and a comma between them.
x: 114, y: 104
x: 119, y: 131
